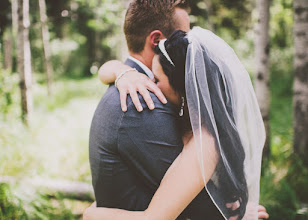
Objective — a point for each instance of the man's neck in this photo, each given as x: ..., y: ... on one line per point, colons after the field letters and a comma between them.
x: 143, y: 57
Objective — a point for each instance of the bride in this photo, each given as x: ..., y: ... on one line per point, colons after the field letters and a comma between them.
x: 222, y: 128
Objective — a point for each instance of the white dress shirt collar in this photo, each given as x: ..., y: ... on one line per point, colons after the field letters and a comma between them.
x: 144, y: 67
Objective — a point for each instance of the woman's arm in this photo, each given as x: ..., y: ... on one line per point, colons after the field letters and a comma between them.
x: 109, y: 71
x: 94, y: 213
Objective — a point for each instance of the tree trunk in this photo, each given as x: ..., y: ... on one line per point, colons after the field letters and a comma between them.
x: 24, y: 59
x: 14, y: 17
x: 45, y: 35
x: 300, y: 98
x: 262, y: 74
x: 14, y: 34
x: 7, y: 50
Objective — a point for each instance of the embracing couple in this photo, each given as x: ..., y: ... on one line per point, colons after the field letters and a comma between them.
x: 192, y: 147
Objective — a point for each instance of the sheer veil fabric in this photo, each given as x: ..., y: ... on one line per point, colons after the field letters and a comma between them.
x: 227, y: 125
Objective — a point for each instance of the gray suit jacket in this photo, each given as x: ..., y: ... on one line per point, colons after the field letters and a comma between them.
x: 131, y: 149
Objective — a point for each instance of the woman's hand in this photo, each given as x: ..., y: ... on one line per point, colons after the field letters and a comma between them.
x: 133, y: 82
x: 251, y: 209
x: 130, y: 83
x: 262, y: 213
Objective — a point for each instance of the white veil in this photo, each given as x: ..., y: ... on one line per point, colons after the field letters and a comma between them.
x: 226, y: 122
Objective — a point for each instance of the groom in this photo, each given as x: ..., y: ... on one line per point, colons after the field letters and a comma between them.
x: 130, y: 152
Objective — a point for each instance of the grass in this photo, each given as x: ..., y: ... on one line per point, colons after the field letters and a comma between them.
x: 20, y: 204
x: 57, y: 141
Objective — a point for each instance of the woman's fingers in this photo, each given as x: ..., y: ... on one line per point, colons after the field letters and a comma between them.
x: 123, y: 98
x: 135, y: 99
x: 144, y: 89
x: 154, y: 88
x: 147, y: 98
x: 134, y: 82
x: 262, y: 213
x: 261, y: 208
x: 134, y: 96
x: 233, y: 205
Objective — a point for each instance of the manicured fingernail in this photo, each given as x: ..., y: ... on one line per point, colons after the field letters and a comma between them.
x: 165, y: 101
x: 140, y: 108
x: 152, y: 106
x: 124, y: 109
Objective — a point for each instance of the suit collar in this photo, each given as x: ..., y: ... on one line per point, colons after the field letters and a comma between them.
x: 133, y: 64
x: 140, y: 67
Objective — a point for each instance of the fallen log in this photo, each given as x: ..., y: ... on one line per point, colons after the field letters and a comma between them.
x: 302, y: 212
x: 54, y: 187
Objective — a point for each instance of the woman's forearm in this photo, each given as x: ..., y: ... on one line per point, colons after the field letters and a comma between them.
x: 109, y: 71
x: 100, y: 213
x: 181, y: 184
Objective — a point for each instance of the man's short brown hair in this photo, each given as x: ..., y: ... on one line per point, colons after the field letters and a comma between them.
x: 145, y: 16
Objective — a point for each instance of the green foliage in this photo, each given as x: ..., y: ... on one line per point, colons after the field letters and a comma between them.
x: 283, y: 181
x: 279, y: 194
x: 55, y: 146
x: 46, y: 208
x: 82, y: 34
x: 10, y: 206
x: 9, y: 95
x: 60, y: 128
x: 14, y: 158
x: 67, y: 90
x: 281, y: 24
x: 278, y: 197
x: 281, y: 82
x: 297, y: 178
x: 32, y: 205
x: 221, y: 16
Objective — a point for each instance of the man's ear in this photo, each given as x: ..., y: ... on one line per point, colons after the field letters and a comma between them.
x: 155, y: 37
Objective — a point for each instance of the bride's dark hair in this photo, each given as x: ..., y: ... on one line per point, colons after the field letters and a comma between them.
x: 231, y: 145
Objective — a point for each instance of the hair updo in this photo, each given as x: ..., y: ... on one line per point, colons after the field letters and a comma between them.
x: 176, y: 46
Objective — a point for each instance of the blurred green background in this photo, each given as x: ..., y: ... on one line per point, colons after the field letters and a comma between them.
x: 83, y: 35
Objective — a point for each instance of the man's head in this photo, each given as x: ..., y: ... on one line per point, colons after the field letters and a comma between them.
x: 153, y: 20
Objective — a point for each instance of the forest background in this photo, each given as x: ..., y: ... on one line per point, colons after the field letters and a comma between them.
x: 50, y: 53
